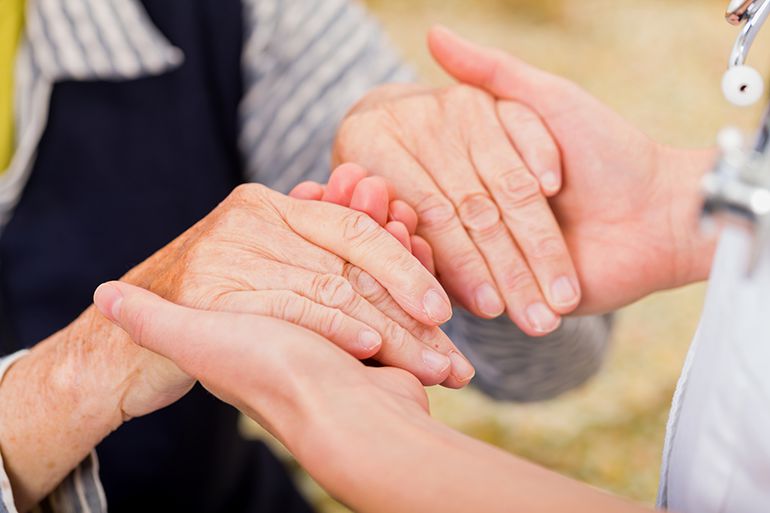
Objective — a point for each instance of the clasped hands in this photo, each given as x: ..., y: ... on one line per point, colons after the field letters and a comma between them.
x: 522, y: 192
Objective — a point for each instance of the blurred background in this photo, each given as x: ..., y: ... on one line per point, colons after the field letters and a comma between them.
x: 659, y: 63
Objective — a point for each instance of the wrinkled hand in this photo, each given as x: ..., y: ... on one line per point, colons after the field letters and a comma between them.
x: 318, y: 265
x: 480, y: 189
x: 628, y: 204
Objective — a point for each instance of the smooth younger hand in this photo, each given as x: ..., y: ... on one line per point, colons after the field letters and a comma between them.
x: 628, y: 207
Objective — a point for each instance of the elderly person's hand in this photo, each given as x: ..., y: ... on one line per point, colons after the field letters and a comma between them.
x: 327, y: 268
x: 628, y: 205
x: 318, y: 265
x: 480, y: 188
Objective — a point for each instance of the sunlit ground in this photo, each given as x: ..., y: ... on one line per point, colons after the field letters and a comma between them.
x: 659, y: 63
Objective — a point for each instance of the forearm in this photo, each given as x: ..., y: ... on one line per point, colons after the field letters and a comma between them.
x: 416, y: 465
x: 58, y: 403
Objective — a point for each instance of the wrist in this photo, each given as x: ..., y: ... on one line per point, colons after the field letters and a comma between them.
x: 692, y: 249
x: 361, y: 435
x: 56, y: 405
x: 86, y: 366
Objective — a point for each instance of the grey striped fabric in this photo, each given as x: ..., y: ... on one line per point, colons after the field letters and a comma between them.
x: 305, y: 62
x: 512, y: 366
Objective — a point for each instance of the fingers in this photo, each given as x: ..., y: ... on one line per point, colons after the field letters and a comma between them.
x: 358, y: 239
x: 462, y: 268
x: 399, y: 231
x: 498, y: 73
x: 482, y: 219
x: 156, y: 324
x: 461, y: 371
x: 402, y: 212
x: 308, y: 191
x: 327, y: 303
x: 423, y: 252
x: 371, y: 196
x: 533, y: 143
x: 342, y: 183
x: 528, y: 216
x: 350, y: 334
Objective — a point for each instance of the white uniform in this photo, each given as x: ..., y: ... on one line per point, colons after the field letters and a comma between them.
x: 717, y: 452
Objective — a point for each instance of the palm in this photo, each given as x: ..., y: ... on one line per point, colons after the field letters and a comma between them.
x: 611, y: 208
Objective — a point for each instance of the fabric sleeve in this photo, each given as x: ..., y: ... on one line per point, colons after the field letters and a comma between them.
x: 305, y: 64
x: 80, y: 491
x: 512, y: 366
x: 7, y: 504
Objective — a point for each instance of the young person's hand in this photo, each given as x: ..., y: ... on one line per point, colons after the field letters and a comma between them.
x: 363, y: 433
x: 350, y: 186
x: 628, y: 205
x: 480, y: 192
x: 276, y: 372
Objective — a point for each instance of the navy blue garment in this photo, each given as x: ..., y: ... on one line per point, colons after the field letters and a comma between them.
x: 122, y: 169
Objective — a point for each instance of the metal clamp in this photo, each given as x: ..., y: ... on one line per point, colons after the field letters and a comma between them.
x: 754, y: 13
x: 737, y: 191
x: 742, y: 84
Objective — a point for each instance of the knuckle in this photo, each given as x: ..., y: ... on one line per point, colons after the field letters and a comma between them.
x: 330, y: 323
x: 548, y: 248
x: 289, y: 307
x: 517, y: 189
x: 479, y: 213
x: 435, y: 211
x: 397, y: 338
x: 332, y: 290
x: 246, y: 192
x: 464, y: 262
x: 366, y: 284
x: 359, y: 229
x: 518, y: 280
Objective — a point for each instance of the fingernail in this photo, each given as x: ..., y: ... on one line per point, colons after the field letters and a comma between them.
x: 549, y: 180
x: 488, y: 301
x: 436, y: 306
x: 369, y: 340
x: 461, y: 368
x: 563, y: 292
x: 108, y: 299
x: 542, y: 319
x: 436, y: 362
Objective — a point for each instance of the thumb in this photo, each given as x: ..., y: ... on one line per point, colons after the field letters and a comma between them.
x: 499, y: 73
x: 152, y: 322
